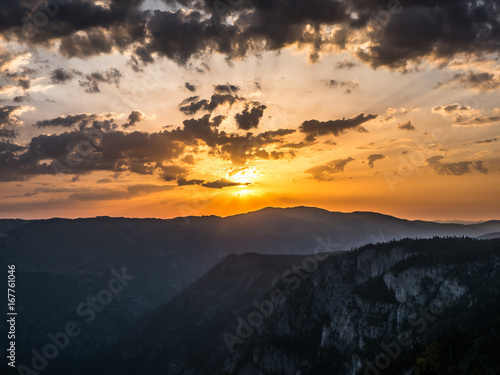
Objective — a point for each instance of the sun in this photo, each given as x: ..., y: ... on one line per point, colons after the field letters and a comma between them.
x: 244, y: 175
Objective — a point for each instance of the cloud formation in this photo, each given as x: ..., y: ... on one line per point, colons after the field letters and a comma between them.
x: 326, y: 172
x: 455, y: 169
x: 112, y: 76
x: 9, y: 120
x: 192, y: 28
x: 315, y: 128
x: 134, y: 118
x: 60, y: 75
x: 373, y: 158
x: 250, y: 117
x: 92, y: 143
x: 407, y: 125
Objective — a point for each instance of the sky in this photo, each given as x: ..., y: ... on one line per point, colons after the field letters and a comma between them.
x: 198, y: 107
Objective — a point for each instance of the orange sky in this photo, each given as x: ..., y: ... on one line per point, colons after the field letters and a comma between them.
x: 328, y: 129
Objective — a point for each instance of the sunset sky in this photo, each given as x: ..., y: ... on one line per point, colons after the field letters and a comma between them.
x: 199, y: 107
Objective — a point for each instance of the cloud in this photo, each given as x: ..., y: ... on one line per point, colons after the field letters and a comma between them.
x: 193, y: 28
x: 22, y: 98
x: 295, y: 145
x: 491, y: 140
x: 9, y: 119
x: 480, y: 120
x: 112, y: 194
x: 92, y: 81
x: 315, y: 128
x: 184, y: 182
x: 326, y: 172
x: 193, y: 104
x: 134, y: 118
x: 188, y: 159
x: 60, y: 75
x: 401, y: 111
x: 437, y: 30
x: 250, y: 118
x: 480, y: 81
x: 467, y: 116
x: 346, y: 64
x: 190, y: 87
x: 226, y: 89
x: 173, y: 172
x: 348, y: 85
x: 93, y: 143
x: 222, y: 183
x: 373, y: 158
x: 408, y: 125
x: 455, y: 169
x: 81, y: 121
x: 10, y: 147
x: 451, y: 109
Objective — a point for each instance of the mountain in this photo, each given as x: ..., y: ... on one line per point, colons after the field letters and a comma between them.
x: 63, y: 266
x: 489, y: 236
x: 382, y: 307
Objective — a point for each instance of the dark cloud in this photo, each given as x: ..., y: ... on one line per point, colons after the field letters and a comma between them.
x: 436, y: 29
x: 407, y: 125
x: 60, y: 75
x: 221, y: 184
x: 373, y: 158
x: 439, y: 29
x: 315, y: 128
x: 193, y: 104
x: 9, y: 120
x: 455, y: 169
x: 226, y: 89
x: 93, y: 144
x: 173, y: 172
x: 24, y: 83
x: 250, y: 118
x: 190, y: 87
x: 85, y: 28
x: 345, y: 64
x: 451, y: 108
x: 184, y: 182
x: 480, y: 120
x: 10, y: 147
x: 481, y: 81
x: 21, y: 98
x: 80, y: 121
x: 104, y: 181
x: 326, y: 172
x: 348, y: 85
x: 221, y: 99
x: 134, y: 118
x: 92, y: 81
x: 491, y: 140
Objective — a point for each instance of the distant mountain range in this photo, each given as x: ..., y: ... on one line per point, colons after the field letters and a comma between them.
x: 66, y: 264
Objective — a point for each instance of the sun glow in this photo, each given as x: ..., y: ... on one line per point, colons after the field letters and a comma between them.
x: 244, y: 175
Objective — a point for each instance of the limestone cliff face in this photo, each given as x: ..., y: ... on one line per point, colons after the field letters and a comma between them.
x: 339, y: 317
x: 368, y: 311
